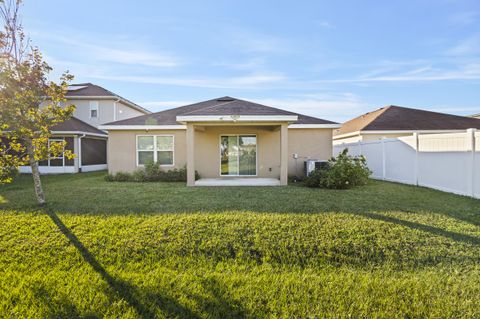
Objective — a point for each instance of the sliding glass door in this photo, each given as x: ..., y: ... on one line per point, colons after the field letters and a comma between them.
x: 238, y: 155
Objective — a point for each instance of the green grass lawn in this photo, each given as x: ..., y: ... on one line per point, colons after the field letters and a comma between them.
x: 144, y: 250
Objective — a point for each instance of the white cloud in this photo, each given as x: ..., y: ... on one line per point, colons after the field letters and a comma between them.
x: 464, y: 18
x: 255, y: 42
x: 114, y: 50
x: 467, y: 47
x: 334, y: 107
x: 251, y: 81
x: 460, y: 110
x: 325, y: 24
x: 156, y: 106
x: 469, y: 71
x: 252, y: 64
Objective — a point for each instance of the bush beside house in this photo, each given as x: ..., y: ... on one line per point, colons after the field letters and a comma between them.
x: 151, y: 172
x: 342, y: 172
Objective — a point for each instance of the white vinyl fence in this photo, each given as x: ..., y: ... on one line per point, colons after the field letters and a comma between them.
x: 448, y: 162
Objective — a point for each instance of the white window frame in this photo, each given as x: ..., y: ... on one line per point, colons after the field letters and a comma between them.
x: 62, y: 157
x: 238, y: 161
x: 94, y: 107
x: 155, y: 150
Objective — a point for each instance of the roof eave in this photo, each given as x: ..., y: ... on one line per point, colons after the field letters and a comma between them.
x: 78, y: 133
x: 313, y: 126
x: 141, y: 127
x: 109, y: 97
x: 236, y: 118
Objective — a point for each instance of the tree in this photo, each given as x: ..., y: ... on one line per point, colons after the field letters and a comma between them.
x: 30, y: 104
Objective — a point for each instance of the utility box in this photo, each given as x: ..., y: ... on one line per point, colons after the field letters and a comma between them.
x: 313, y: 164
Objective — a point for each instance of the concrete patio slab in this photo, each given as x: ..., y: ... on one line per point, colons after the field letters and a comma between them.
x: 238, y: 182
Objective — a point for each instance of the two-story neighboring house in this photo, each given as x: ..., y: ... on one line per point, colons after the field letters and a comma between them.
x: 94, y: 107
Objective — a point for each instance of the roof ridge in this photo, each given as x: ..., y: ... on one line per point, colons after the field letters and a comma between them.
x: 380, y: 111
x: 169, y: 115
x: 211, y: 106
x: 112, y: 94
x: 428, y: 111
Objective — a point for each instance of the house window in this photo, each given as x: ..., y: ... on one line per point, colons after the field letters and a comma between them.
x: 156, y: 148
x: 238, y: 155
x: 93, y: 109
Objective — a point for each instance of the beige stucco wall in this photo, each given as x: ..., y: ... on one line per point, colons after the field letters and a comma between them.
x: 207, y: 149
x: 122, y: 154
x: 307, y: 143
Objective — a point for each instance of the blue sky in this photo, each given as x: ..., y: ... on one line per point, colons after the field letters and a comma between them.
x: 330, y: 59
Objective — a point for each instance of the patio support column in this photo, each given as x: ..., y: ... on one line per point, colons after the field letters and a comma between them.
x: 190, y: 154
x: 284, y: 154
x: 76, y: 151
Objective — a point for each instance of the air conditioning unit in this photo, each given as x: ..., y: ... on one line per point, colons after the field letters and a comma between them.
x: 313, y: 164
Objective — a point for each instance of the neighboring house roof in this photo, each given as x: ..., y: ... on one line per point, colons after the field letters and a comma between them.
x: 476, y: 116
x: 89, y: 90
x: 76, y: 126
x: 397, y: 118
x: 220, y: 106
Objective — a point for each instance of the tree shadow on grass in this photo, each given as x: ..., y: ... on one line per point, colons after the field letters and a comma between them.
x: 60, y: 307
x: 218, y: 304
x: 425, y: 228
x: 120, y: 288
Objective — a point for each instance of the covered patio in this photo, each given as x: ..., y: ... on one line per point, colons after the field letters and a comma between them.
x: 235, y: 152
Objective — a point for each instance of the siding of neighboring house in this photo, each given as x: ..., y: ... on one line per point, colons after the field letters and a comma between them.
x: 307, y: 143
x: 105, y: 111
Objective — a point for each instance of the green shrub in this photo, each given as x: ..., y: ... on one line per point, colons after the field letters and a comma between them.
x: 139, y: 175
x: 151, y: 172
x: 343, y: 172
x: 119, y: 177
x: 314, y: 179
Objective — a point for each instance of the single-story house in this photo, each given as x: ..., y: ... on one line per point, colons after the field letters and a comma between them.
x: 396, y: 121
x: 221, y: 139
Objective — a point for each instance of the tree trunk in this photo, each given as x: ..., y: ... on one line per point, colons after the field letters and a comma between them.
x: 37, y: 183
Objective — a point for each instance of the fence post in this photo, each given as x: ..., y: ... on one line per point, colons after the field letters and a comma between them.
x: 384, y: 160
x: 415, y: 140
x: 471, y: 173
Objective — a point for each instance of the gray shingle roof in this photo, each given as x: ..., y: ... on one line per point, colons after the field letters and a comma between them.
x: 92, y: 90
x: 220, y: 106
x: 397, y: 118
x: 75, y: 125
